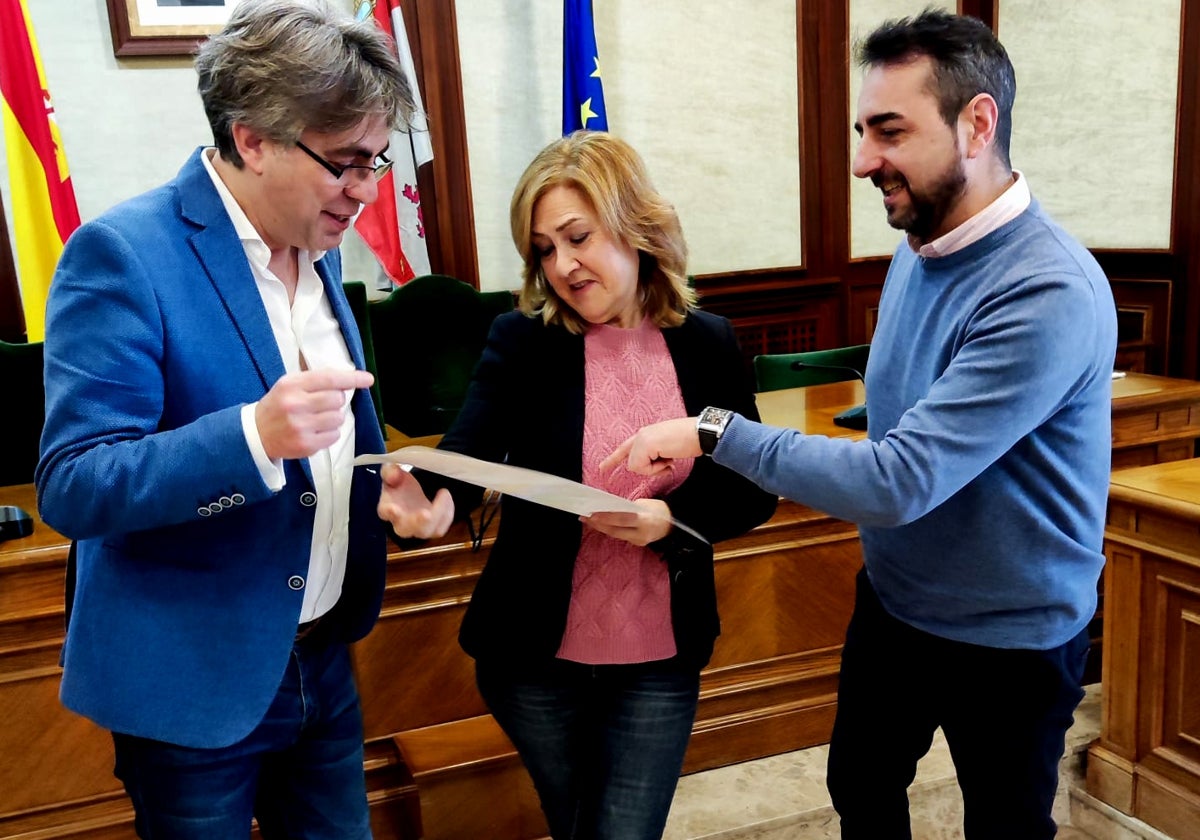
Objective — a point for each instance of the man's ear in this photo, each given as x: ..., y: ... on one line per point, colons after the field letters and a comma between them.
x: 978, y: 120
x: 251, y: 145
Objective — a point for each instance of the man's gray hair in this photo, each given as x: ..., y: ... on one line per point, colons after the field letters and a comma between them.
x: 284, y: 66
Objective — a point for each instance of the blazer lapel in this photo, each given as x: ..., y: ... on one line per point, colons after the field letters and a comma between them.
x: 220, y: 251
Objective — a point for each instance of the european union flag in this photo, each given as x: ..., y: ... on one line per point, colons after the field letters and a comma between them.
x: 583, y: 95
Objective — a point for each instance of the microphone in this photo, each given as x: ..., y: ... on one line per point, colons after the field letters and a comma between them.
x: 851, y: 418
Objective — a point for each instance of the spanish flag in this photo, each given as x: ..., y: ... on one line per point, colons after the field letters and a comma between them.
x: 44, y: 209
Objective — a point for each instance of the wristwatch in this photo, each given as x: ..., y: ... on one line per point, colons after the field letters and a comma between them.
x: 710, y: 425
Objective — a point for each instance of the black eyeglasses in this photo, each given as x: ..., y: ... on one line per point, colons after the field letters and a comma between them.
x: 337, y: 172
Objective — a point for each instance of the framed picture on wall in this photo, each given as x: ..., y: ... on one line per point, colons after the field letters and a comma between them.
x: 164, y: 27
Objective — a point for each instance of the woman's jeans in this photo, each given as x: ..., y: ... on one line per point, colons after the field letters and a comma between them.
x: 604, y: 744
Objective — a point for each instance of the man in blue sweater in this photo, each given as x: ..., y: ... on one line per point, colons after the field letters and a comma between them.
x: 980, y: 492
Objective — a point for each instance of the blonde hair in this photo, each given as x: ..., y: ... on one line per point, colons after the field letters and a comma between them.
x: 283, y: 66
x: 611, y: 176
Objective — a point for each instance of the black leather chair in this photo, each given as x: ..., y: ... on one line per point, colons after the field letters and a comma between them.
x: 25, y: 410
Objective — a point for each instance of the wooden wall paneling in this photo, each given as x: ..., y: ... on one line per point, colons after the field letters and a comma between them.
x: 1176, y: 644
x: 823, y: 163
x: 1185, y: 239
x: 771, y: 686
x: 433, y: 28
x: 1147, y: 759
x: 57, y: 766
x: 428, y: 588
x: 1143, y: 323
x: 823, y: 85
x: 986, y: 10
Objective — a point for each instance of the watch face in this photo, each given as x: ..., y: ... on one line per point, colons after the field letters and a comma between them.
x: 709, y: 427
x: 716, y: 418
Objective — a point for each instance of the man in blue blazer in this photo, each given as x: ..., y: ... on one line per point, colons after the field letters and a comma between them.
x: 204, y: 403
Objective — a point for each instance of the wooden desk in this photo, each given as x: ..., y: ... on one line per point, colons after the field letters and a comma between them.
x: 1147, y: 760
x: 785, y: 593
x: 1155, y: 419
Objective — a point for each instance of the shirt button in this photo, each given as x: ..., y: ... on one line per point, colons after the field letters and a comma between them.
x: 308, y: 499
x: 295, y: 582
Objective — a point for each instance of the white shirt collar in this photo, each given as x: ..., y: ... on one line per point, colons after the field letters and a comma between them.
x: 1006, y: 207
x: 252, y: 241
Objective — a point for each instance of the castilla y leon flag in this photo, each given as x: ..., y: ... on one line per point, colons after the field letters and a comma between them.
x: 44, y: 209
x: 393, y: 227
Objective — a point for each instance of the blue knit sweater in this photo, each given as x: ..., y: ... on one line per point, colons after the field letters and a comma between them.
x: 980, y: 492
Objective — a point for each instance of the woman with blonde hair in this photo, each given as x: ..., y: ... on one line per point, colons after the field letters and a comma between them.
x: 589, y: 633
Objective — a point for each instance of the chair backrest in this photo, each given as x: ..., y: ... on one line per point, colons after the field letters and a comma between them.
x: 774, y: 371
x: 428, y: 335
x: 356, y: 295
x: 25, y: 410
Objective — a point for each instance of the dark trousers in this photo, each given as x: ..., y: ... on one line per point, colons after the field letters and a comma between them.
x: 300, y: 772
x: 603, y: 744
x: 1005, y: 714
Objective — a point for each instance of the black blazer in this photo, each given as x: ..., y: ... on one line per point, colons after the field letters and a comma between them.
x: 525, y: 406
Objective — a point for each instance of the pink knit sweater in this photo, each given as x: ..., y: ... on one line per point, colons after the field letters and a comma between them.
x: 620, y: 608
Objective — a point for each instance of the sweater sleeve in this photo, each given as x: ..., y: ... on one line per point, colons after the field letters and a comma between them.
x: 1024, y: 355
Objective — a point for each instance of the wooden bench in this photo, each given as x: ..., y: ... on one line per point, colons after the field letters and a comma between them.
x: 470, y: 782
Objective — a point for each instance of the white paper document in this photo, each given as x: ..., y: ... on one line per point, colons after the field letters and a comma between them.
x: 530, y: 485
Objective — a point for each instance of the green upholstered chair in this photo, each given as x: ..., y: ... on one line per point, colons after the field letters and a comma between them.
x: 427, y: 335
x: 25, y: 410
x: 356, y: 294
x: 776, y: 371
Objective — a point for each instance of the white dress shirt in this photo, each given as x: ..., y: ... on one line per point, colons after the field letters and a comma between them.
x: 305, y: 328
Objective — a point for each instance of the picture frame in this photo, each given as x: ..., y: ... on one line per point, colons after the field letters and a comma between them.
x: 164, y: 27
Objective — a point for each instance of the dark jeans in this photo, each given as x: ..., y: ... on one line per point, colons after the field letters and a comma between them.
x: 1005, y: 714
x: 300, y: 772
x: 604, y: 744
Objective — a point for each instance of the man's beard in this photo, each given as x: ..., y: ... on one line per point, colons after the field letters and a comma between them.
x: 928, y: 209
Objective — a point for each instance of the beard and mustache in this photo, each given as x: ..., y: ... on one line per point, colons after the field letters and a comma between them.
x: 928, y: 207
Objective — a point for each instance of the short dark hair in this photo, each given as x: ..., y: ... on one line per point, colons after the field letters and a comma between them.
x: 968, y: 60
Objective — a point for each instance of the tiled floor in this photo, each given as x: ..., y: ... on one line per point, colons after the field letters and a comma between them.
x: 783, y: 797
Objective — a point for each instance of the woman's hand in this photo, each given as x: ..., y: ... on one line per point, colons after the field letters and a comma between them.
x: 651, y: 523
x: 402, y: 502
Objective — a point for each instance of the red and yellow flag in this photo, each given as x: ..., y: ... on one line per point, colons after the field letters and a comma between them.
x: 393, y: 227
x: 44, y: 209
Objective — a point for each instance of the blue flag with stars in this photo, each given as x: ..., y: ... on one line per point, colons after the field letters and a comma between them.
x: 583, y: 95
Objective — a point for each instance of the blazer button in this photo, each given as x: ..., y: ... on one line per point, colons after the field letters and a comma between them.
x: 203, y: 511
x: 238, y: 499
x: 215, y: 507
x: 308, y: 499
x: 295, y: 583
x: 226, y: 502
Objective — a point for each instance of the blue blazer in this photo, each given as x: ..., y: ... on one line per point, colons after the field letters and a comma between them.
x: 190, y: 571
